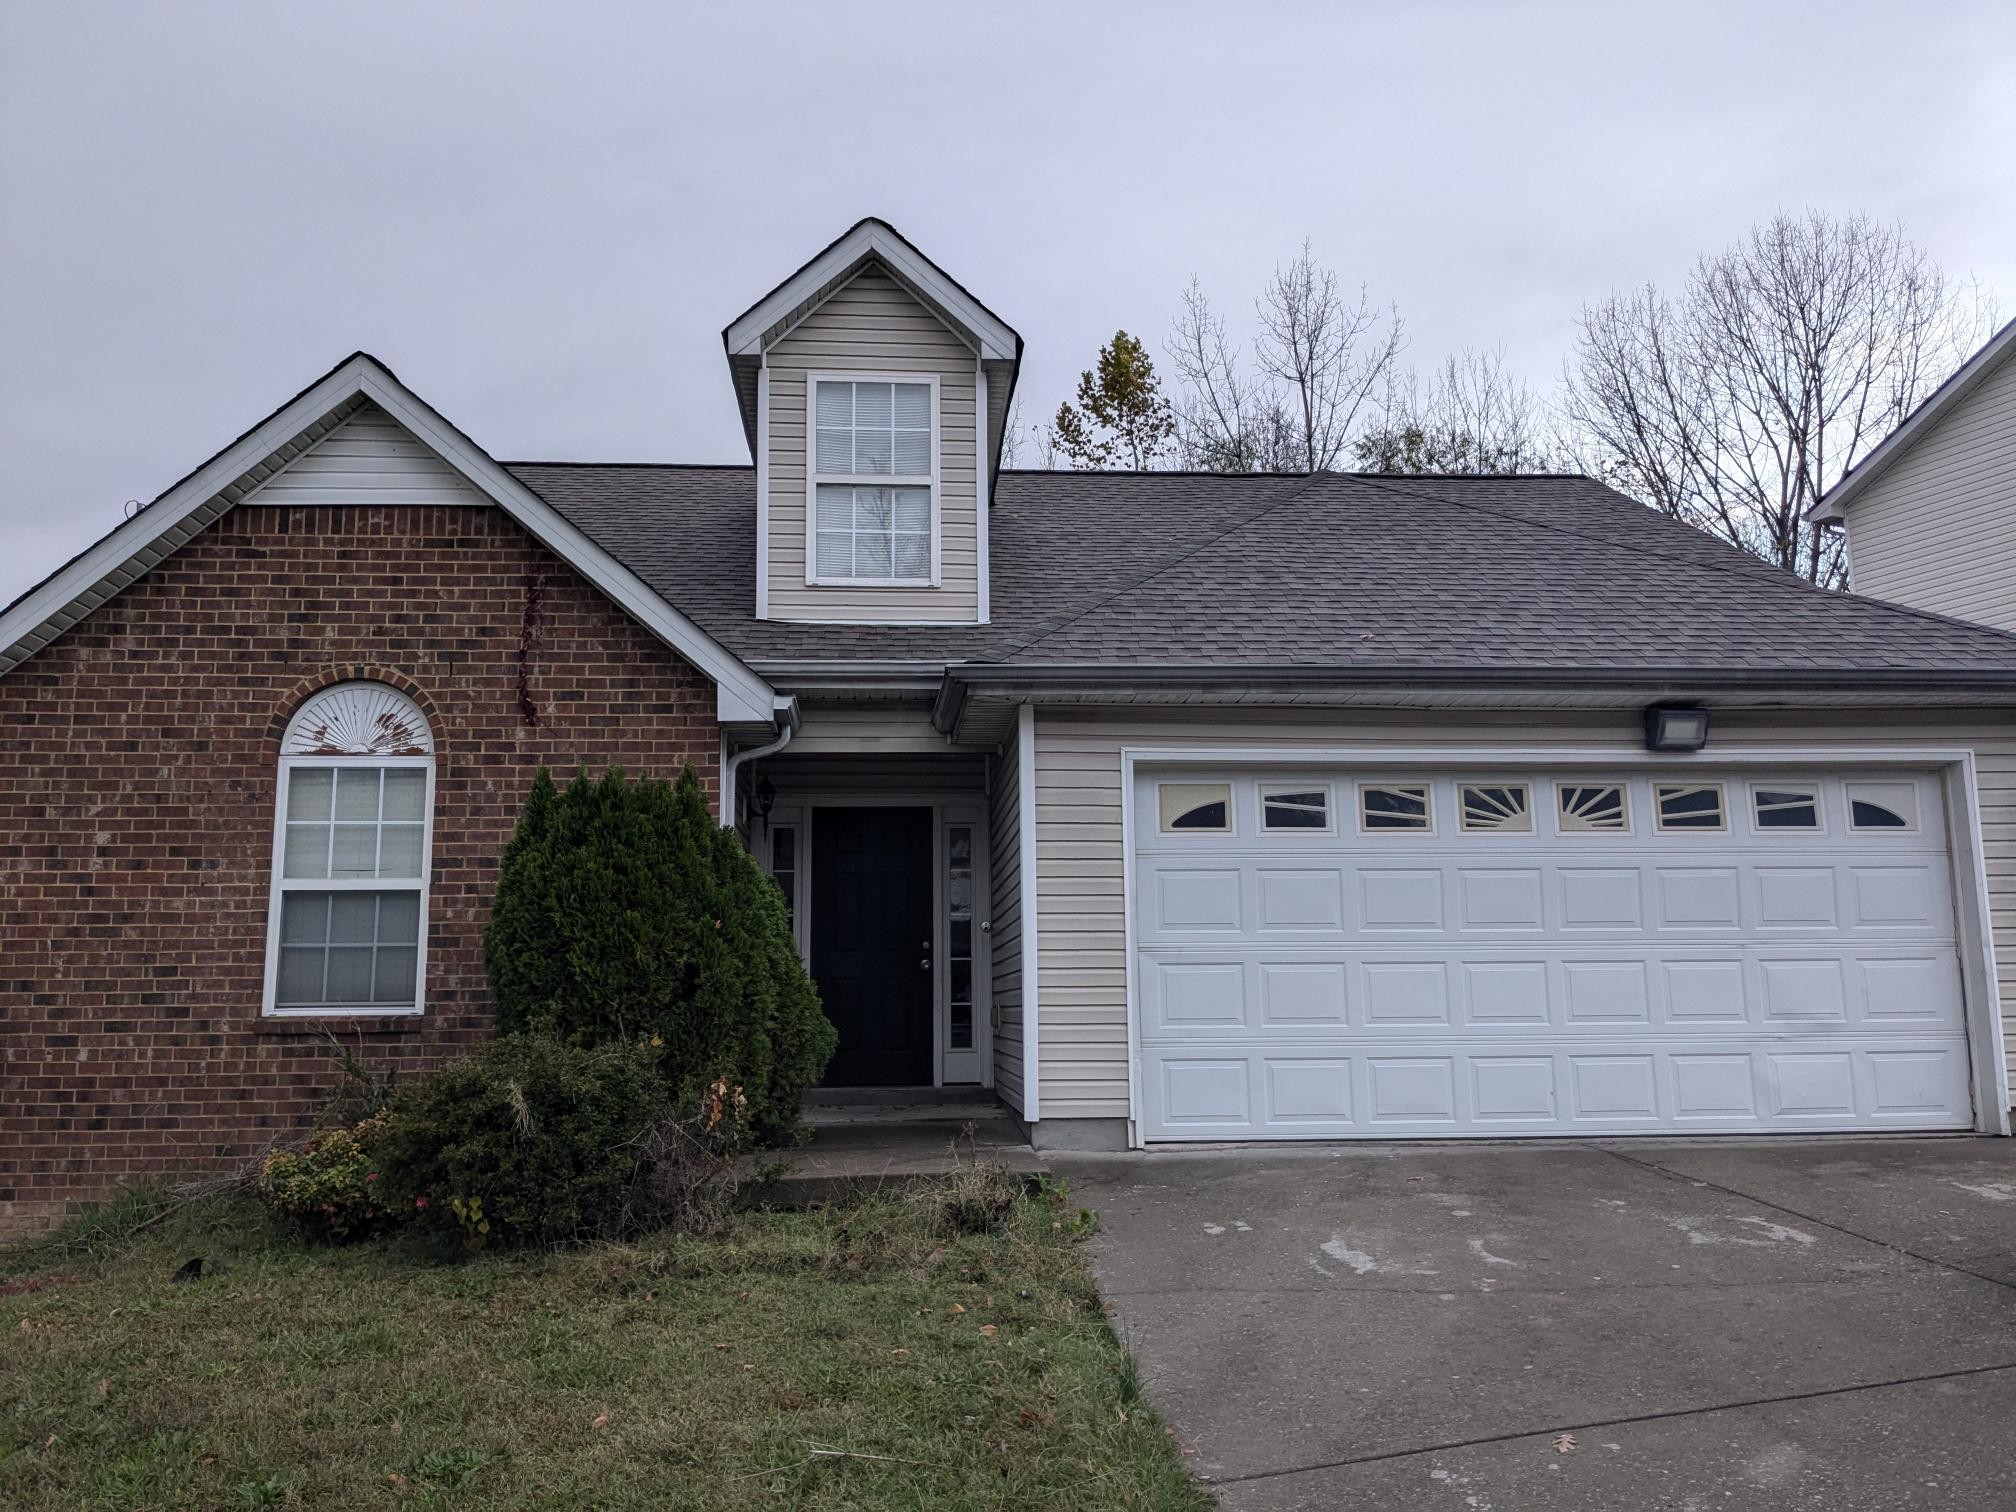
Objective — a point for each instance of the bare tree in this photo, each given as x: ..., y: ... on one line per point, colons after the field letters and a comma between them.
x: 1012, y: 438
x: 1329, y: 355
x: 1473, y: 416
x: 1318, y: 359
x: 1735, y: 404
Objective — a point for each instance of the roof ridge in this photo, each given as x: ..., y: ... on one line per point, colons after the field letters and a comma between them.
x: 681, y: 466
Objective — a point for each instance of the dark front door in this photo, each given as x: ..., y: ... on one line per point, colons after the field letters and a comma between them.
x: 871, y: 942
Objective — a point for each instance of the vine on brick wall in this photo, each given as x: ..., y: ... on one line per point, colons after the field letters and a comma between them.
x: 528, y: 638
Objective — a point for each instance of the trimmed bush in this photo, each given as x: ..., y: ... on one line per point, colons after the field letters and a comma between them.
x: 624, y: 913
x: 529, y: 1140
x: 330, y: 1192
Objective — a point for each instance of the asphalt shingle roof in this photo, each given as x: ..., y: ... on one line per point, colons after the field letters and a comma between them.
x: 1343, y: 570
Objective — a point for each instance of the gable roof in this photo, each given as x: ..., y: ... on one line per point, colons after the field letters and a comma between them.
x: 102, y: 570
x: 1121, y: 575
x: 1830, y: 507
x: 874, y: 243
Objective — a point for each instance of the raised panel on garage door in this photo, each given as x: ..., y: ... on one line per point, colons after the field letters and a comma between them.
x: 1412, y: 952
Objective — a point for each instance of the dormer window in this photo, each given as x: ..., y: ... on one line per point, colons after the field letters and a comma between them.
x: 874, y: 480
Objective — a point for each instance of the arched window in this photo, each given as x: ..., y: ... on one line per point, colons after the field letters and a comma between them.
x: 347, y: 929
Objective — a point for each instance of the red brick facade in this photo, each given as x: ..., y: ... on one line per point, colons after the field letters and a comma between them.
x: 138, y: 762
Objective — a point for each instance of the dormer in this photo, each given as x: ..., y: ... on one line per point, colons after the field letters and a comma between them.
x: 873, y: 389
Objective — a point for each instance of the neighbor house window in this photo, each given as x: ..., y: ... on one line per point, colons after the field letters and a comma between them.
x: 347, y: 928
x: 873, y: 477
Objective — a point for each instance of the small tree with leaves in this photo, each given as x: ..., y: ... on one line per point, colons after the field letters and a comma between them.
x: 625, y: 914
x: 1120, y: 417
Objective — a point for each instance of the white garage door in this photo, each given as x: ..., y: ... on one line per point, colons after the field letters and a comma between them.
x: 1326, y: 954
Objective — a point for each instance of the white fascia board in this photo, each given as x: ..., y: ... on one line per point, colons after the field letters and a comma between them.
x: 745, y: 336
x: 1827, y: 509
x: 741, y: 696
x: 77, y: 581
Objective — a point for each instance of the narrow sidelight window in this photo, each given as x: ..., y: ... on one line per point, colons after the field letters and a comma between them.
x: 959, y: 889
x: 347, y: 928
x: 874, y: 481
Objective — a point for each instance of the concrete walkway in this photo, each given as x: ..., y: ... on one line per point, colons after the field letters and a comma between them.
x: 1778, y: 1325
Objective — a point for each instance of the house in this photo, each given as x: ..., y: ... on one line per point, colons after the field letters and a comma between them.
x: 1930, y: 514
x: 1167, y: 806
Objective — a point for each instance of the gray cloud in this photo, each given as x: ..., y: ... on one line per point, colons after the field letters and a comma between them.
x: 542, y: 215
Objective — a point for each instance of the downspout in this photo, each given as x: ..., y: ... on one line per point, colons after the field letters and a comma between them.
x: 734, y: 762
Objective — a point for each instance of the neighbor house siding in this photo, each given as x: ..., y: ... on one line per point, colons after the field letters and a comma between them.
x: 1937, y: 529
x: 1082, y: 960
x: 368, y: 459
x: 139, y: 755
x: 872, y: 325
x: 1004, y: 941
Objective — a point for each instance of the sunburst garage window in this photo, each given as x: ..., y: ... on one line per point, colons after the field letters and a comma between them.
x: 873, y: 481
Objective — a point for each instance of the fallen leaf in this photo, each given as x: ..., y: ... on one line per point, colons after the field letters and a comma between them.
x: 49, y: 1442
x: 395, y: 1479
x: 956, y: 1308
x: 104, y: 1387
x: 901, y: 1354
x: 724, y: 1348
x: 988, y: 1330
x: 1563, y: 1443
x: 601, y: 1422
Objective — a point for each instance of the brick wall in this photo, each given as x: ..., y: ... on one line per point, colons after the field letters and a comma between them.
x: 138, y: 761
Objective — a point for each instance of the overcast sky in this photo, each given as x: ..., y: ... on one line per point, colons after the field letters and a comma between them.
x: 542, y: 215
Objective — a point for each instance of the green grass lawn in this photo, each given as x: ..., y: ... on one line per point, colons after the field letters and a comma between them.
x: 866, y: 1356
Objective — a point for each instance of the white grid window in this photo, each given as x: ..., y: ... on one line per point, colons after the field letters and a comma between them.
x: 348, y: 927
x: 872, y: 481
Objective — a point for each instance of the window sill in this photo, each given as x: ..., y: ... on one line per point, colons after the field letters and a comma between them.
x: 321, y: 1025
x: 872, y: 583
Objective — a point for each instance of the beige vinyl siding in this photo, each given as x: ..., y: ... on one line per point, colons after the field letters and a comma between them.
x: 368, y: 459
x: 1082, y: 958
x: 1937, y: 529
x: 872, y: 325
x: 899, y: 729
x: 1004, y: 940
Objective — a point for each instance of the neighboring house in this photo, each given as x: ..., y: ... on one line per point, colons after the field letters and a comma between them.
x: 1168, y: 806
x: 1930, y: 514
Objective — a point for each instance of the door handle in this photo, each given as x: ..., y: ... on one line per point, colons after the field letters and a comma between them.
x: 925, y: 964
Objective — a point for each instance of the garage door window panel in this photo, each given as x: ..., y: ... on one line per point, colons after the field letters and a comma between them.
x: 1586, y: 808
x: 1500, y: 808
x: 1690, y: 807
x: 1785, y: 807
x: 1882, y: 806
x: 1383, y: 808
x: 1303, y: 808
x: 1195, y: 808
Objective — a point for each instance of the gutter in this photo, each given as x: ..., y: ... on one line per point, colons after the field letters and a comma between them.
x: 788, y: 722
x: 1034, y: 681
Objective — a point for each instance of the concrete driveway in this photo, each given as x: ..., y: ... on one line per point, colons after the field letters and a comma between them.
x: 1827, y: 1324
